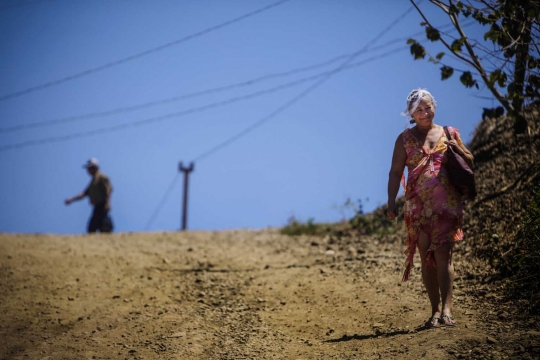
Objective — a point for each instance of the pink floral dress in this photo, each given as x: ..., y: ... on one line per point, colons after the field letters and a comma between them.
x: 432, y: 204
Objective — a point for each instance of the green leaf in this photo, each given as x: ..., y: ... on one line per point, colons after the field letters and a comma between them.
x: 467, y: 79
x: 411, y: 41
x: 457, y: 44
x: 432, y: 34
x: 418, y: 51
x: 502, y: 79
x: 439, y: 56
x: 446, y: 72
x: 509, y: 53
x: 478, y: 16
x: 511, y: 89
x: 494, y: 33
x: 494, y: 76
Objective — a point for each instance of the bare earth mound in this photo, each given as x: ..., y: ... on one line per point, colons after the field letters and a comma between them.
x: 234, y: 295
x: 261, y: 295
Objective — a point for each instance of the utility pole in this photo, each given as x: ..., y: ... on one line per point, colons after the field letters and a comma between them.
x: 186, y: 172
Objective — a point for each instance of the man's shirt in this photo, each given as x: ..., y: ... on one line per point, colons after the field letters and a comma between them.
x: 99, y: 187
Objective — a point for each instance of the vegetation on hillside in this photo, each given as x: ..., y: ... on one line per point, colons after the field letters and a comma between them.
x: 509, y: 67
x: 502, y: 225
x: 522, y: 258
x: 375, y: 223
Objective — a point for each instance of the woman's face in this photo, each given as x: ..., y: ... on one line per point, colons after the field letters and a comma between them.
x: 424, y: 113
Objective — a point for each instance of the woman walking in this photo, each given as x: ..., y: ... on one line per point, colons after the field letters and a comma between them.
x: 433, y: 208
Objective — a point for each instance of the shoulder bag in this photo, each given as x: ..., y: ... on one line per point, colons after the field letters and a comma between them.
x: 460, y: 174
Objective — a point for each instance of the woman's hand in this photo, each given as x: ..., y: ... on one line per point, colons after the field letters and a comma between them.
x: 392, y: 211
x: 453, y: 143
x: 462, y: 151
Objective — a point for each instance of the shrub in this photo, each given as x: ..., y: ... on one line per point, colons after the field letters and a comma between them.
x: 522, y: 257
x: 295, y: 227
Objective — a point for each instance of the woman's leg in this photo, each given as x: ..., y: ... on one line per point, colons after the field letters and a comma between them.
x: 429, y: 276
x: 445, y: 276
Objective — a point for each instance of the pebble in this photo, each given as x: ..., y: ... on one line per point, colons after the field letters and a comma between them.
x: 177, y: 335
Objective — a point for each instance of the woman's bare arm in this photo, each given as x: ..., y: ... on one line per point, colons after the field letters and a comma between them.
x: 460, y: 148
x: 467, y: 155
x: 394, y: 177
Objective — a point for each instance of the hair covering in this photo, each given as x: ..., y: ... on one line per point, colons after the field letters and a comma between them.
x: 91, y: 163
x: 414, y: 98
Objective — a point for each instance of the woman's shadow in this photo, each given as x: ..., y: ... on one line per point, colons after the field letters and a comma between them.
x: 378, y: 334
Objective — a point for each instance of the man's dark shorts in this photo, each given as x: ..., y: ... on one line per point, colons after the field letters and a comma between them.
x: 100, y: 220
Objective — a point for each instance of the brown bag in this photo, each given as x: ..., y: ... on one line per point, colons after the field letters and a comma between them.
x: 460, y: 174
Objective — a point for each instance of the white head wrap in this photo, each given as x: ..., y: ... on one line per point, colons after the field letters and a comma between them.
x: 414, y: 99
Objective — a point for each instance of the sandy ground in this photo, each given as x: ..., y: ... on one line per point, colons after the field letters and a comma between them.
x: 237, y: 295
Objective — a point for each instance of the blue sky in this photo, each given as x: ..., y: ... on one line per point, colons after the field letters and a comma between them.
x: 335, y: 143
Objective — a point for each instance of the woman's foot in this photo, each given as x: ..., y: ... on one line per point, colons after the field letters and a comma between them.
x: 433, y: 322
x: 448, y: 320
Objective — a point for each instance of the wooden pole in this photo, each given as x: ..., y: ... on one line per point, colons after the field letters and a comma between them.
x: 186, y: 172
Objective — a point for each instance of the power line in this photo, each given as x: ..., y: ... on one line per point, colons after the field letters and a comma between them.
x: 325, y: 76
x: 138, y: 55
x: 298, y: 97
x: 150, y: 104
x: 167, y: 100
x: 20, y: 4
x: 162, y: 202
x: 292, y: 101
x: 195, y: 109
x: 162, y: 101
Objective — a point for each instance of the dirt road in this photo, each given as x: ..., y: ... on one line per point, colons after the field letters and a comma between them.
x: 237, y: 295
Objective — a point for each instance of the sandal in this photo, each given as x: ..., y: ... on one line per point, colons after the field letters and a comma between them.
x: 448, y: 321
x: 433, y: 322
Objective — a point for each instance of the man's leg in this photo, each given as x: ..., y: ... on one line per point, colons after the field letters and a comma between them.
x: 106, y: 222
x: 97, y: 221
x: 94, y: 222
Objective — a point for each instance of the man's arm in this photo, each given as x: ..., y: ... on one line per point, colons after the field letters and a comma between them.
x: 108, y: 198
x: 108, y: 191
x: 75, y: 198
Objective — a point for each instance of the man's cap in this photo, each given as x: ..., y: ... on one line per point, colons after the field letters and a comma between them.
x: 93, y: 162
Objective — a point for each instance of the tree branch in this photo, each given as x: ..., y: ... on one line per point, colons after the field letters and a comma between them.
x: 477, y: 64
x: 459, y: 56
x: 488, y: 5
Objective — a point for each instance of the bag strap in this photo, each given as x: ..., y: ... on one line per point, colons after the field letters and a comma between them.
x: 448, y: 136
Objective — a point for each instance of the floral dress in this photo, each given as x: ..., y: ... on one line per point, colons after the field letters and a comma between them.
x: 432, y: 205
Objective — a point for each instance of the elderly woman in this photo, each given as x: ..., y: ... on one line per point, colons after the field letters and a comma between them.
x: 433, y: 207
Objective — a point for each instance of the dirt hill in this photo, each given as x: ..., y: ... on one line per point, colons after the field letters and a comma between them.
x: 263, y: 295
x: 506, y: 168
x: 236, y: 295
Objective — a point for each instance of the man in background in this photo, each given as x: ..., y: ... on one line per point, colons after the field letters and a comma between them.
x: 99, y: 192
